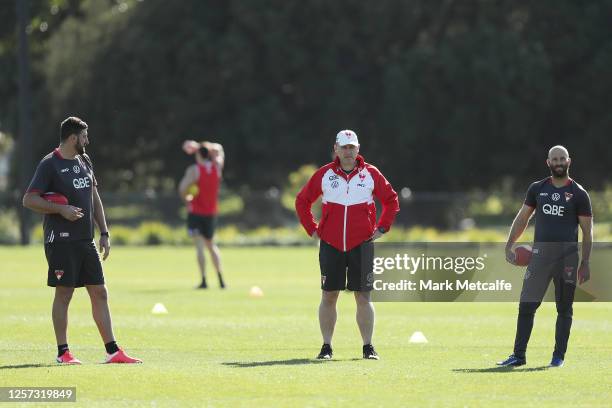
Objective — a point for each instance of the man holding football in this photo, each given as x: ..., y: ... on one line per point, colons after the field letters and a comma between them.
x: 348, y: 225
x: 561, y: 205
x: 68, y: 235
x: 205, y: 175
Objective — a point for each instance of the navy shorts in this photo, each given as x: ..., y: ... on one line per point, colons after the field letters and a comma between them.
x: 73, y: 264
x: 201, y: 224
x: 350, y: 270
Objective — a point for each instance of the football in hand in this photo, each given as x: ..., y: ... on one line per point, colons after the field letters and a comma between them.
x: 56, y: 198
x: 523, y: 255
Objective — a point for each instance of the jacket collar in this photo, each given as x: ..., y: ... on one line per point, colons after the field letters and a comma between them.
x: 57, y: 152
x: 567, y: 183
x: 359, y: 165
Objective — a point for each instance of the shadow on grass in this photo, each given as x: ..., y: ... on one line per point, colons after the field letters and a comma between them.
x: 17, y: 366
x: 294, y: 361
x: 499, y: 370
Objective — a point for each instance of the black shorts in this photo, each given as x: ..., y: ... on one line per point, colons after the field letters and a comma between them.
x: 559, y: 266
x: 73, y: 264
x: 350, y: 270
x: 201, y: 224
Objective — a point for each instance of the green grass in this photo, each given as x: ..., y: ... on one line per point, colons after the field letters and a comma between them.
x: 224, y: 348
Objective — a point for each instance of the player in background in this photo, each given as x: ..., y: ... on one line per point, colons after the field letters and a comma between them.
x: 560, y: 205
x: 199, y: 189
x: 348, y: 225
x: 69, y: 231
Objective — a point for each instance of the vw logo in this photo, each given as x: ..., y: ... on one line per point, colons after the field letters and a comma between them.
x: 556, y: 196
x: 76, y: 169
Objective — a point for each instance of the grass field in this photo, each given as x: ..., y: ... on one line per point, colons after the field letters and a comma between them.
x: 224, y: 348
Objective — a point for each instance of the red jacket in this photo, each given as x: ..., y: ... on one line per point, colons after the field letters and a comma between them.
x: 348, y: 215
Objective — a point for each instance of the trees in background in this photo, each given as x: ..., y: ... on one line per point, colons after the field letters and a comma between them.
x: 445, y: 95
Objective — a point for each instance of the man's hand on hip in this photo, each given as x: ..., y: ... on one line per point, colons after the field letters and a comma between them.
x: 377, y: 234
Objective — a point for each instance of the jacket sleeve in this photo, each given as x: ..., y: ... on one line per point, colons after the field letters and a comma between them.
x: 530, y: 197
x: 303, y: 202
x: 42, y: 180
x: 384, y: 192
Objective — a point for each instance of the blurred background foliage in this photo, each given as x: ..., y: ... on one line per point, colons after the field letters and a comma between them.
x: 446, y: 95
x: 456, y: 98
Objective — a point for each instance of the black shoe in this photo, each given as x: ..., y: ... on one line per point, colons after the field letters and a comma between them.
x: 326, y: 352
x: 221, y: 283
x: 513, y: 361
x: 369, y: 353
x: 202, y: 285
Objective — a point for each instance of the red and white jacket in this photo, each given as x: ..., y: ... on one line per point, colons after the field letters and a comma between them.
x: 348, y: 216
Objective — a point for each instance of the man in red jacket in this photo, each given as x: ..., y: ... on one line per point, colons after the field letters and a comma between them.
x: 347, y: 229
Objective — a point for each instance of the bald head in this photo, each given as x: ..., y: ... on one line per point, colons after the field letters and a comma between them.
x: 558, y: 151
x: 558, y: 162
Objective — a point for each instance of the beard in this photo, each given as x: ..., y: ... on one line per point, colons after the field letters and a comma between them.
x: 559, y: 171
x: 80, y: 148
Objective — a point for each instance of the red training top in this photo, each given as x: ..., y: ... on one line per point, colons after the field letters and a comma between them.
x: 205, y: 202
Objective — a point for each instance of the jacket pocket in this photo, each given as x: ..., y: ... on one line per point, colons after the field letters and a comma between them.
x: 359, y: 222
x: 371, y: 217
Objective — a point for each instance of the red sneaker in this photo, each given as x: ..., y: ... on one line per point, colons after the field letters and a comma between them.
x: 119, y: 357
x: 67, y: 358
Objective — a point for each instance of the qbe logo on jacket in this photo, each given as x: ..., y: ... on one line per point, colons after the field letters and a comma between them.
x: 553, y: 209
x: 81, y: 182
